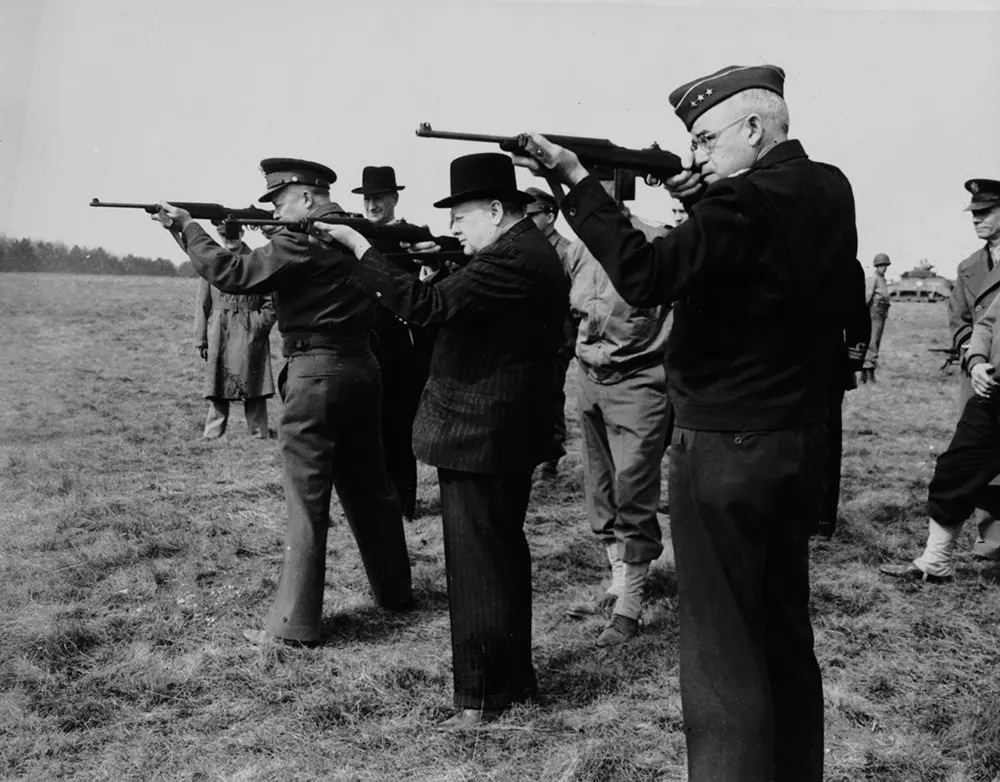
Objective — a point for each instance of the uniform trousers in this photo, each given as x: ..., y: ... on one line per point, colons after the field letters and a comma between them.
x: 404, y: 354
x: 963, y: 473
x: 330, y: 438
x: 563, y: 357
x: 878, y: 316
x: 624, y: 427
x: 488, y: 567
x: 835, y: 451
x: 743, y: 505
x: 255, y: 410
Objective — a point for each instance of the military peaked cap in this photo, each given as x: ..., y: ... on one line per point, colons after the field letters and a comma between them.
x: 693, y: 99
x: 985, y: 194
x: 282, y: 171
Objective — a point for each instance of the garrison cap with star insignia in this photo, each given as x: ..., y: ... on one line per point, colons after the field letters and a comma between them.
x: 693, y: 99
x: 281, y: 171
x: 985, y: 194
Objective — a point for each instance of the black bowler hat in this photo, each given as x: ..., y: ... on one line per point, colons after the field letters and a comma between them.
x: 282, y: 171
x: 483, y: 175
x: 378, y: 179
x: 985, y: 194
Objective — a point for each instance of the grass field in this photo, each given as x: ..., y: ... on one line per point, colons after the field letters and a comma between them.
x: 135, y: 554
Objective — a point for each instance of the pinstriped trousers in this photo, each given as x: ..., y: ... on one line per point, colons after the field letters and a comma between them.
x: 489, y: 587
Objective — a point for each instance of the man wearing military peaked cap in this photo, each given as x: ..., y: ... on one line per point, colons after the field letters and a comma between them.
x: 279, y: 172
x: 972, y: 316
x: 762, y: 275
x: 329, y: 433
x: 485, y: 416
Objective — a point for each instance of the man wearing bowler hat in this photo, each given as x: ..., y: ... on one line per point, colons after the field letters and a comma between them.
x: 759, y: 275
x: 977, y: 285
x: 329, y: 433
x: 485, y: 416
x: 403, y: 351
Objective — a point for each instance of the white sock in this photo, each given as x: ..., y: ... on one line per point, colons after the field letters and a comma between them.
x: 629, y: 602
x: 936, y: 559
x: 617, y: 571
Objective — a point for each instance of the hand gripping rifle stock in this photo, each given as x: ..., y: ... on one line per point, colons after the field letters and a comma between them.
x: 599, y: 155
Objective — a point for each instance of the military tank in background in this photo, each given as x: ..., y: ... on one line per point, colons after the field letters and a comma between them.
x: 921, y: 283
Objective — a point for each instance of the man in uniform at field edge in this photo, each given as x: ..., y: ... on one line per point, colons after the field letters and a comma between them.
x: 329, y: 433
x: 977, y: 284
x: 770, y: 240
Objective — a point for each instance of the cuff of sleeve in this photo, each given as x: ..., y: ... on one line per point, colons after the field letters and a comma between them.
x: 365, y: 275
x: 583, y: 199
x: 971, y: 361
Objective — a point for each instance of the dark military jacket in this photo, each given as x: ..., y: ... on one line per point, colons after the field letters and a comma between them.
x: 308, y: 279
x: 976, y: 285
x: 760, y: 274
x: 487, y: 405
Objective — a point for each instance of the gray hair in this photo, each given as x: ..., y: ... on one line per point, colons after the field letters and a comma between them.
x: 769, y: 105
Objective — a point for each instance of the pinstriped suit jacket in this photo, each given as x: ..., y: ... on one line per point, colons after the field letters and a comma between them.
x: 487, y: 405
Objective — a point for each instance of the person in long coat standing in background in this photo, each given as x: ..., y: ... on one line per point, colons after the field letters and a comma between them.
x: 232, y: 335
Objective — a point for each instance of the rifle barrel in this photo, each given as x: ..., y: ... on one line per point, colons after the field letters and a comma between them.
x: 426, y: 131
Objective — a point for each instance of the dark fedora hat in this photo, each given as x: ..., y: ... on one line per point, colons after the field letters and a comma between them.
x: 483, y: 175
x: 378, y: 179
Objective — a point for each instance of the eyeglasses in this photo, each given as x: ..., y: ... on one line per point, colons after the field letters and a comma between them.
x: 707, y: 141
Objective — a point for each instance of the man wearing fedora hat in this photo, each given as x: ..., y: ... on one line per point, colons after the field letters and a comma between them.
x: 760, y: 275
x: 976, y: 289
x: 877, y: 298
x: 330, y: 387
x: 485, y: 416
x: 403, y: 351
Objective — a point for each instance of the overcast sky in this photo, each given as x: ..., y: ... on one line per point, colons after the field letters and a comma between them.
x: 141, y: 101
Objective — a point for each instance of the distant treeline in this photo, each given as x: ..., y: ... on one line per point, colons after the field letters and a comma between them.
x: 26, y: 255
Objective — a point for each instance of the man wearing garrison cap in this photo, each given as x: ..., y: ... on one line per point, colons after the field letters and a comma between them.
x: 759, y: 275
x: 329, y: 433
x: 485, y: 416
x: 970, y: 309
x: 403, y: 350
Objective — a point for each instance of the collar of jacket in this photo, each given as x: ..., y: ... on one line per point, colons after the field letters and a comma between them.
x: 780, y: 153
x: 522, y: 226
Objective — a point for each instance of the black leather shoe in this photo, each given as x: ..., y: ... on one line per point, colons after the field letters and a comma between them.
x: 911, y: 572
x: 621, y: 630
x: 469, y: 719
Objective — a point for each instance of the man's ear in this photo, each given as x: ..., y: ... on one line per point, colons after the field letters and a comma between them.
x: 496, y: 212
x: 756, y: 125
